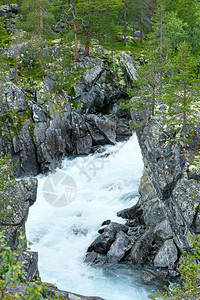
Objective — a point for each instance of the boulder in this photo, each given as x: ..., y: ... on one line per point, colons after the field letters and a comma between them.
x: 167, y: 255
x: 142, y: 248
x: 119, y: 248
x: 103, y: 242
x: 134, y: 212
x: 93, y: 74
x: 102, y: 130
x: 127, y: 64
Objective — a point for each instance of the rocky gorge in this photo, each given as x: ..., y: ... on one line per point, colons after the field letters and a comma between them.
x: 39, y: 129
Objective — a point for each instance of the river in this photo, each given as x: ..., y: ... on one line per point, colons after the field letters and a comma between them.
x: 71, y: 205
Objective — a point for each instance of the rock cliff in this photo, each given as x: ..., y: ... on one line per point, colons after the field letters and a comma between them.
x: 158, y: 226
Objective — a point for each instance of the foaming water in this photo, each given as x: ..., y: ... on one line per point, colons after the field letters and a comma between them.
x: 98, y: 187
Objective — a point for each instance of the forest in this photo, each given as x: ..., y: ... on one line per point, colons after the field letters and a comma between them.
x: 163, y: 37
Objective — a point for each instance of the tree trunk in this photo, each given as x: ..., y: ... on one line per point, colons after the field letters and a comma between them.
x: 9, y: 5
x: 87, y: 45
x: 184, y: 112
x: 141, y: 21
x: 75, y: 32
x: 41, y: 40
x: 154, y: 94
x: 125, y: 25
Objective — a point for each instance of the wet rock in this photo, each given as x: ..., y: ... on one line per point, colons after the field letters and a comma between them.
x: 103, y: 242
x: 134, y: 212
x: 119, y: 248
x: 167, y: 255
x: 78, y: 126
x: 107, y: 222
x: 123, y: 130
x: 142, y: 248
x: 148, y: 277
x: 79, y: 230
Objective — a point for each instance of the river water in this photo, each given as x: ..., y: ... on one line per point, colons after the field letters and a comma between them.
x: 71, y: 205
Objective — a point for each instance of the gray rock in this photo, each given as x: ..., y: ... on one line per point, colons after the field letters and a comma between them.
x: 18, y: 198
x: 17, y: 50
x: 79, y: 127
x: 167, y: 255
x: 103, y: 131
x: 50, y: 291
x: 14, y: 97
x: 12, y: 75
x: 84, y: 145
x: 138, y: 34
x: 153, y: 209
x: 29, y: 262
x: 7, y: 12
x: 49, y: 82
x: 163, y: 230
x: 39, y: 113
x: 134, y: 212
x: 127, y: 64
x: 103, y: 242
x: 25, y: 151
x: 148, y: 277
x: 142, y: 248
x: 93, y: 74
x: 119, y: 248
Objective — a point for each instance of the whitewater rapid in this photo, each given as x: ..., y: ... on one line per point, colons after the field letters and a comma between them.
x: 68, y: 213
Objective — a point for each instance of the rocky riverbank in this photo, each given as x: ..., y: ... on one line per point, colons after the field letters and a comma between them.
x: 157, y: 228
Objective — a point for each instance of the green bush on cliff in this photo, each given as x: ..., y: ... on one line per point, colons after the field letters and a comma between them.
x: 189, y: 269
x: 12, y: 275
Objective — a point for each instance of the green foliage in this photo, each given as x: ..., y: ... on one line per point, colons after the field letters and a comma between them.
x: 175, y: 30
x: 12, y: 274
x: 97, y: 15
x: 182, y: 92
x: 10, y: 267
x: 190, y: 274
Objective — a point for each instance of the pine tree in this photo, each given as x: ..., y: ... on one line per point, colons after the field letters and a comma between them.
x: 36, y: 17
x: 182, y: 93
x: 94, y: 16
